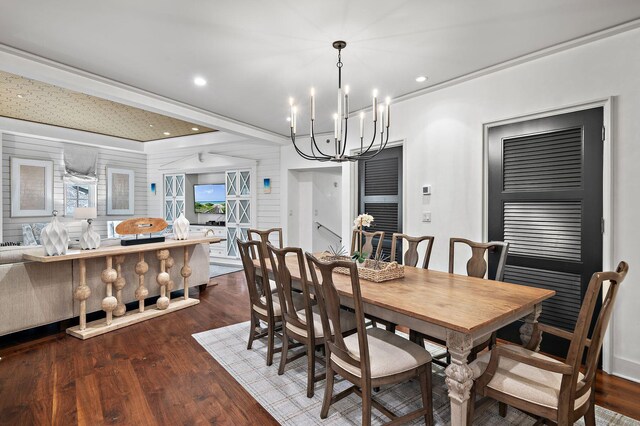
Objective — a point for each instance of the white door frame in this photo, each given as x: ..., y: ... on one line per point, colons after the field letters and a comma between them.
x: 607, y: 194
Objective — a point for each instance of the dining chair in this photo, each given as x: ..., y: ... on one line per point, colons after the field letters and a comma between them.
x: 545, y: 387
x: 411, y: 255
x: 263, y: 236
x: 263, y: 305
x: 301, y: 325
x: 367, y: 243
x: 476, y: 267
x: 369, y: 358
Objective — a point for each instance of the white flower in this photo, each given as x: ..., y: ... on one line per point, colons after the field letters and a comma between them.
x: 365, y: 220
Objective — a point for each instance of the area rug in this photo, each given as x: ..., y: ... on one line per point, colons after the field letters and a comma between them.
x: 216, y: 270
x: 284, y: 397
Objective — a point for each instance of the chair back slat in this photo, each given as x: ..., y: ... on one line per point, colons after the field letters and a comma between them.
x: 477, y: 265
x: 329, y: 306
x: 263, y: 237
x: 256, y: 287
x: 367, y: 243
x: 411, y: 255
x: 284, y: 286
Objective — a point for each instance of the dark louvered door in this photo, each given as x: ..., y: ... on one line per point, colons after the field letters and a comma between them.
x: 380, y: 193
x: 545, y: 199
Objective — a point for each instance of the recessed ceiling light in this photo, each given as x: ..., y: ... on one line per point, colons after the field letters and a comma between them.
x: 167, y: 134
x: 21, y: 96
x: 421, y: 78
x: 199, y: 81
x: 195, y: 129
x: 150, y: 125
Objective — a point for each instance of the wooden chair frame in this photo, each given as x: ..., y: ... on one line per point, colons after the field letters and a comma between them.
x: 367, y: 247
x: 257, y: 291
x: 571, y: 387
x: 263, y: 237
x: 411, y: 255
x: 329, y: 306
x: 291, y: 316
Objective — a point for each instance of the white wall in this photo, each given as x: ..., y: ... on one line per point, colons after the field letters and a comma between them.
x: 33, y: 147
x: 443, y: 137
x: 327, y: 207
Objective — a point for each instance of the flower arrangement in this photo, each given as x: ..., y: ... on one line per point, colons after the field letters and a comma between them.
x: 362, y: 221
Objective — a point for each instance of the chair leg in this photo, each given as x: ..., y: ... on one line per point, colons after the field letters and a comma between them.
x: 427, y: 397
x: 502, y: 409
x: 328, y: 392
x: 270, y: 343
x: 391, y: 327
x: 311, y: 369
x: 283, y: 353
x: 366, y: 405
x: 252, y: 330
x: 590, y: 415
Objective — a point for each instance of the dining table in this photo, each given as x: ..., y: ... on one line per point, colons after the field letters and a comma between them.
x: 454, y: 308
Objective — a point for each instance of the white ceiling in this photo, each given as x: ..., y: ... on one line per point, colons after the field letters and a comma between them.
x: 256, y: 53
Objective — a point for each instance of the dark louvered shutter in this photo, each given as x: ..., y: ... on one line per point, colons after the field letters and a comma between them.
x: 380, y: 193
x: 545, y: 199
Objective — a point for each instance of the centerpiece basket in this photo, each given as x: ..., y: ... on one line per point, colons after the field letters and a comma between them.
x: 371, y: 270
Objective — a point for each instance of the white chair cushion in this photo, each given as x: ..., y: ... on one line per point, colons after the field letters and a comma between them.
x: 272, y: 286
x: 347, y: 322
x: 298, y: 301
x: 388, y: 353
x: 525, y: 381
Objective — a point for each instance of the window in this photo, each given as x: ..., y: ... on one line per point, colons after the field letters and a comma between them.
x: 77, y: 195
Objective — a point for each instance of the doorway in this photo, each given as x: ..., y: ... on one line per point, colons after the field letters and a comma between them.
x: 545, y: 180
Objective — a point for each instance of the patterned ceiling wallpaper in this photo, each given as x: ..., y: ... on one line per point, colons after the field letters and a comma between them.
x: 31, y: 100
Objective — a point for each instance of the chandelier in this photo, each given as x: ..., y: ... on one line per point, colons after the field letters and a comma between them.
x: 380, y: 116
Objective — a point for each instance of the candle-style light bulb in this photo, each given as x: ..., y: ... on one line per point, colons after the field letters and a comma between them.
x: 388, y: 102
x: 381, y: 109
x: 313, y: 104
x: 294, y: 110
x: 361, y: 125
x: 335, y: 126
x: 346, y: 101
x: 375, y: 105
x: 291, y: 112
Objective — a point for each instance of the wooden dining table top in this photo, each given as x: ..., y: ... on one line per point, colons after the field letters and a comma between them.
x: 453, y: 301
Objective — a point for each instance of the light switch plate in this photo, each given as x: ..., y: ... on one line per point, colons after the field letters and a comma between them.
x: 426, y: 216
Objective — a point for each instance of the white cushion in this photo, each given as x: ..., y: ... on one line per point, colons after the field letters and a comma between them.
x: 525, y: 381
x: 347, y: 322
x: 388, y: 353
x: 298, y: 301
x: 272, y: 286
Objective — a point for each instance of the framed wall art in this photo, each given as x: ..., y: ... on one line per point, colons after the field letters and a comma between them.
x: 120, y: 191
x: 31, y: 187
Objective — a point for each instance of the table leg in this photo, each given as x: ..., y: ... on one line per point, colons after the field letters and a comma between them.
x: 119, y: 285
x: 459, y: 376
x: 108, y: 276
x: 186, y: 273
x: 141, y: 292
x: 82, y: 293
x: 163, y: 279
x: 526, y: 330
x: 170, y: 285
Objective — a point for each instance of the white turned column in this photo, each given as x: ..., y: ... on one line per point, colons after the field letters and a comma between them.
x: 108, y: 276
x: 141, y: 292
x: 459, y: 376
x: 82, y: 293
x: 119, y: 285
x: 170, y: 285
x: 163, y: 279
x: 526, y: 329
x: 186, y: 273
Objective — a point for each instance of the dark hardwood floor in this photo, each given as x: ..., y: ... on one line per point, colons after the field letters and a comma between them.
x: 155, y: 373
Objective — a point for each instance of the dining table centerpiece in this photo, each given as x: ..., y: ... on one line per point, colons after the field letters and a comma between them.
x: 362, y: 221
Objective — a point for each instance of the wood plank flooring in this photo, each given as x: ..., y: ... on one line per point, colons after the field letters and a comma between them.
x: 154, y: 373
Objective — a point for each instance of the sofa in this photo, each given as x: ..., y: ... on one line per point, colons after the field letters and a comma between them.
x: 34, y: 294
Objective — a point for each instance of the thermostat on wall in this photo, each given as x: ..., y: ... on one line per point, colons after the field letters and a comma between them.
x: 426, y: 190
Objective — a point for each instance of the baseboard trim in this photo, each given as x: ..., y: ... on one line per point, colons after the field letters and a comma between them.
x: 627, y: 369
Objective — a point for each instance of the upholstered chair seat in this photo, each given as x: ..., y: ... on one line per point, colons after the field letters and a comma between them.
x: 298, y: 301
x: 524, y: 381
x: 389, y: 354
x: 347, y: 322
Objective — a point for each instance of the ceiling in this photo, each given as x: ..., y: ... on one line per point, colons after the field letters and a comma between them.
x: 256, y: 54
x: 39, y: 102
